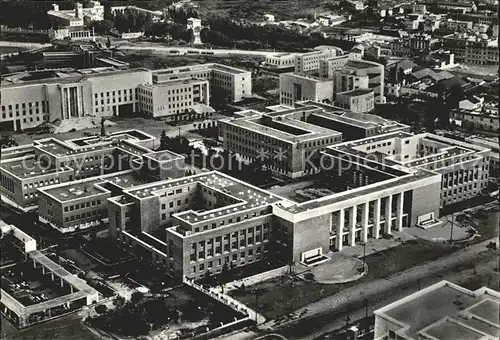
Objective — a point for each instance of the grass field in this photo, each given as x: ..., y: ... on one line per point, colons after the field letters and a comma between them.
x: 282, y: 296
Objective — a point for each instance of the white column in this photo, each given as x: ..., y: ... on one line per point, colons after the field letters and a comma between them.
x: 364, y: 221
x: 376, y: 218
x: 352, y: 225
x: 388, y: 215
x: 399, y: 211
x: 340, y: 228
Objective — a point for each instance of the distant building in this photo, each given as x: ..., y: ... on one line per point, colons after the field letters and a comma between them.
x: 269, y: 17
x: 225, y: 81
x: 361, y: 74
x: 471, y: 103
x: 475, y: 49
x: 359, y: 100
x: 194, y: 24
x: 476, y: 121
x: 309, y: 62
x: 281, y: 61
x: 298, y: 87
x: 456, y: 25
x: 77, y: 17
x: 173, y: 96
x: 439, y: 311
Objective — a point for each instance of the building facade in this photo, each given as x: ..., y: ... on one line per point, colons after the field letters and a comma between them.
x: 359, y: 100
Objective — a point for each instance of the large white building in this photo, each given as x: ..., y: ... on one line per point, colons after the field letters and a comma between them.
x: 78, y: 16
x: 30, y: 98
x: 27, y: 100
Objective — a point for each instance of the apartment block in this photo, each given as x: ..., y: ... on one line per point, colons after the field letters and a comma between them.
x: 474, y: 49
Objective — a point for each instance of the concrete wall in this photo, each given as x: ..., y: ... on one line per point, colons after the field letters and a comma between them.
x: 425, y: 199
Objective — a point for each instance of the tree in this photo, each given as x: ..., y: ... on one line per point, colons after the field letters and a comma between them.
x: 164, y: 141
x: 136, y: 297
x: 101, y: 309
x: 108, y: 43
x: 119, y: 301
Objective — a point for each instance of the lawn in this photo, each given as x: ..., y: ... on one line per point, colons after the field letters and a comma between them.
x: 281, y: 296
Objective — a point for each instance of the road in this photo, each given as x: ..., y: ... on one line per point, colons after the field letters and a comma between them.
x: 160, y: 49
x: 329, y: 313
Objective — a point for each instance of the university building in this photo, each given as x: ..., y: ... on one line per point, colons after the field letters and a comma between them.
x: 288, y: 138
x: 232, y: 83
x: 25, y: 169
x: 203, y: 223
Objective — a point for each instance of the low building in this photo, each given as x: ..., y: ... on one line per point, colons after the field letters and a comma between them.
x: 471, y: 103
x: 76, y: 293
x: 474, y: 49
x: 475, y: 121
x: 441, y: 311
x: 359, y: 100
x: 281, y: 61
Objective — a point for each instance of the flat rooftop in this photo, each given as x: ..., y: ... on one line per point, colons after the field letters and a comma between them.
x: 28, y: 167
x: 64, y: 76
x: 93, y: 186
x: 248, y: 195
x: 175, y: 82
x: 194, y: 68
x: 447, y: 312
x: 164, y: 155
x: 302, y: 131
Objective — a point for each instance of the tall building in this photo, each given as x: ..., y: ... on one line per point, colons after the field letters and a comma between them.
x: 441, y: 311
x: 475, y: 49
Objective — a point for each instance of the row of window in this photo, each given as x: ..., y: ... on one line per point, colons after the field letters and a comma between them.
x: 82, y: 205
x: 243, y: 257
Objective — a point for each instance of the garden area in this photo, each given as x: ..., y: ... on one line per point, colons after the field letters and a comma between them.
x: 183, y: 311
x: 281, y: 296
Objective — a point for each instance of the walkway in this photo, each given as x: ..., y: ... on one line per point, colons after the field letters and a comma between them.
x: 159, y: 49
